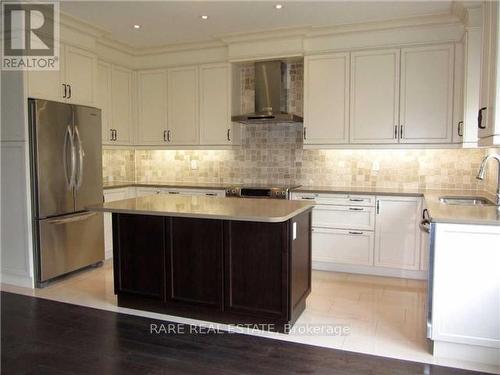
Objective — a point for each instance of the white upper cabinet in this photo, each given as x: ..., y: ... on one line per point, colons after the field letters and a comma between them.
x: 426, y: 94
x: 103, y: 100
x: 80, y: 67
x: 488, y: 123
x: 472, y: 74
x: 374, y: 96
x: 74, y: 82
x: 121, y: 104
x: 397, y: 234
x: 182, y: 109
x: 215, y: 105
x: 326, y: 99
x: 152, y: 107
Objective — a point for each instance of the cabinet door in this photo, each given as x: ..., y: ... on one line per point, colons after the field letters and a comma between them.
x: 374, y: 96
x: 215, y: 104
x: 139, y: 255
x: 103, y: 100
x: 121, y: 101
x: 342, y: 246
x: 426, y: 112
x: 472, y: 83
x: 256, y: 268
x: 489, y: 74
x: 326, y: 99
x: 182, y: 110
x: 195, y: 246
x: 457, y: 131
x: 48, y: 84
x: 397, y: 233
x: 152, y: 107
x: 345, y: 217
x: 80, y: 75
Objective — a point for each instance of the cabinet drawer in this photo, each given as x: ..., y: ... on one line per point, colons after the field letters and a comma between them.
x: 342, y: 246
x: 344, y: 217
x: 336, y: 199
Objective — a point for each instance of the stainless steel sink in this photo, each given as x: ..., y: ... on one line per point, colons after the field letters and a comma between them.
x: 466, y: 201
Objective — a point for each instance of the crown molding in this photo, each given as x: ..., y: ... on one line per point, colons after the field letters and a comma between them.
x: 280, y: 33
x: 444, y: 19
x: 83, y: 26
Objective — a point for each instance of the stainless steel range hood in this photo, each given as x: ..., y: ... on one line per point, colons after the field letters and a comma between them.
x: 270, y: 96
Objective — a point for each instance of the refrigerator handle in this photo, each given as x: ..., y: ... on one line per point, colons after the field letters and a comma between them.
x: 70, y: 180
x: 81, y: 153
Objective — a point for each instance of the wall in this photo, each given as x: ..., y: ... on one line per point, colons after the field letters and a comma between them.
x: 491, y: 178
x: 272, y: 154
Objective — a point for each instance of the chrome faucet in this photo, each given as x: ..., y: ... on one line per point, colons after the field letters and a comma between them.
x: 482, y: 172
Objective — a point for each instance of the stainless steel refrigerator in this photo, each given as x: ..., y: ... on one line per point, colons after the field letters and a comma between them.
x: 66, y: 175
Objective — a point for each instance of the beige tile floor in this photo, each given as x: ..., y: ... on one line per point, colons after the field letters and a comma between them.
x: 385, y: 316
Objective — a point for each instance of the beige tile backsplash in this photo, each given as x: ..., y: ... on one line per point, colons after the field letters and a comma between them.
x: 273, y: 154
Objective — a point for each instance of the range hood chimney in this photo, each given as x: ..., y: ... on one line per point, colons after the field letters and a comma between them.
x: 270, y: 97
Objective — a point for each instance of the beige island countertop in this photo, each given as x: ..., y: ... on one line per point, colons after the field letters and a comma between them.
x: 202, y: 207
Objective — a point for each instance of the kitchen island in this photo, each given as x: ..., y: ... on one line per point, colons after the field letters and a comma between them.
x: 227, y: 260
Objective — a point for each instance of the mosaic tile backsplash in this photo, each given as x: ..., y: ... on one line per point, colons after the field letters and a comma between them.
x: 272, y: 154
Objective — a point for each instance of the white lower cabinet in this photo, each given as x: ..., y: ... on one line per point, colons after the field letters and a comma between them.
x: 367, y: 234
x: 344, y: 217
x: 111, y: 195
x: 342, y: 246
x: 397, y: 232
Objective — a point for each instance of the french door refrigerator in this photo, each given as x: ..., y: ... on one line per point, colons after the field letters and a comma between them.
x: 66, y: 175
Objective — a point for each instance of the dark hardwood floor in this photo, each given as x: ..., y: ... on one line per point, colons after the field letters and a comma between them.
x: 44, y: 337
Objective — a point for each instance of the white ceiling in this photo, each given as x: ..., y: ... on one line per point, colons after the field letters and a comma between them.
x: 171, y: 22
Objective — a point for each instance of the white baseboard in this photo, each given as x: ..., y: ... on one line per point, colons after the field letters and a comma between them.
x: 464, y: 352
x: 24, y: 281
x: 369, y: 270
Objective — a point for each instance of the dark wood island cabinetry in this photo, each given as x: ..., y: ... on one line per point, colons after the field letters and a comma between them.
x: 224, y: 264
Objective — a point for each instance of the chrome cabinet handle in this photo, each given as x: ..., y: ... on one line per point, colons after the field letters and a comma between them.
x: 357, y: 233
x: 460, y: 129
x: 377, y: 209
x: 228, y: 135
x: 65, y: 91
x: 69, y: 91
x: 211, y: 194
x: 305, y: 133
x: 164, y: 136
x: 401, y: 131
x: 173, y: 192
x: 356, y: 200
x: 168, y: 135
x: 480, y: 118
x: 355, y: 209
x: 309, y: 198
x: 81, y: 154
x: 395, y: 132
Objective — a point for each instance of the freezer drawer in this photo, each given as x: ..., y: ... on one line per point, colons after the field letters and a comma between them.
x: 70, y: 242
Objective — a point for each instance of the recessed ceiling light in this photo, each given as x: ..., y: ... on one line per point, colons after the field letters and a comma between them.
x: 278, y: 6
x: 204, y: 17
x: 137, y: 26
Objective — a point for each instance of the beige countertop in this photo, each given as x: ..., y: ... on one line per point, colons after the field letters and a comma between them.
x: 438, y: 212
x: 179, y: 185
x: 202, y: 207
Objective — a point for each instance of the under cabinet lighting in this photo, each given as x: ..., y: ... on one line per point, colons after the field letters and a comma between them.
x: 137, y: 27
x: 204, y: 17
x: 278, y: 6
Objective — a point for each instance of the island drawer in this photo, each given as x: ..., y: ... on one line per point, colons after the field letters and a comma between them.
x: 342, y: 246
x: 336, y: 199
x: 344, y: 217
